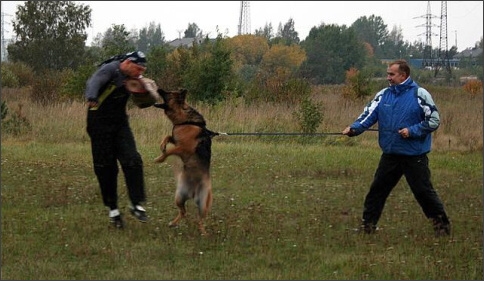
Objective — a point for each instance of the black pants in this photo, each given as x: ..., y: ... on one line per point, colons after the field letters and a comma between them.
x: 417, y: 173
x: 113, y: 141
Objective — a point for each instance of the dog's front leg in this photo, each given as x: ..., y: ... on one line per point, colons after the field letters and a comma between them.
x: 163, y: 144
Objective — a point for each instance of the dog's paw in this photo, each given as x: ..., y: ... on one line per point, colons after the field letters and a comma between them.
x: 172, y: 224
x: 202, y: 231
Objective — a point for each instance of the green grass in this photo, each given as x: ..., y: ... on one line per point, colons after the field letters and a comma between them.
x: 280, y: 211
x: 284, y: 207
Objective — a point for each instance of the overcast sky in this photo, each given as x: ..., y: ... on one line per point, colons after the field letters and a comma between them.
x: 464, y: 18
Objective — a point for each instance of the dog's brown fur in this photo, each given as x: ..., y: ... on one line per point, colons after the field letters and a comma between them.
x: 192, y: 143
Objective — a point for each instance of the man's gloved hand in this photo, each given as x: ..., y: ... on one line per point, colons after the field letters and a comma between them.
x: 92, y: 102
x: 349, y: 132
x: 149, y: 85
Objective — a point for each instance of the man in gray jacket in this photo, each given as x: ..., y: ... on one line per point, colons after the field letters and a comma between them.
x: 111, y: 137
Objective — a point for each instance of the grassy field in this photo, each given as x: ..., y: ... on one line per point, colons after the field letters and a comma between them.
x: 284, y: 207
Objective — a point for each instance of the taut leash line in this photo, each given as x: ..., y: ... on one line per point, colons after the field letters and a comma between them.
x: 285, y: 134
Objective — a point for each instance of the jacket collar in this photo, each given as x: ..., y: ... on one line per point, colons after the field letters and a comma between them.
x: 403, y: 87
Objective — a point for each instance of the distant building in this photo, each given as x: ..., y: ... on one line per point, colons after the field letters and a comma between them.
x: 469, y: 54
x: 472, y: 53
x: 187, y: 42
x: 183, y: 42
x: 419, y: 63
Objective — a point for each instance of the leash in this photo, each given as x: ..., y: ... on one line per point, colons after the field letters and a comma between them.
x: 285, y: 134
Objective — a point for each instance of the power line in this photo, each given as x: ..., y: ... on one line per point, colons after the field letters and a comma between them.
x: 428, y: 53
x: 244, y: 19
x: 443, y: 54
x: 4, y: 39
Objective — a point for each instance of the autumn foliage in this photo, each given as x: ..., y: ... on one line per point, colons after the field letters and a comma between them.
x: 357, y: 85
x: 473, y: 87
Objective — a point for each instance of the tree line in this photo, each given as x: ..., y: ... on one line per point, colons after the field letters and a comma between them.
x: 50, y: 53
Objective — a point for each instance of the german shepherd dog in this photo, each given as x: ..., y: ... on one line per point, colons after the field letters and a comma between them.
x: 192, y: 142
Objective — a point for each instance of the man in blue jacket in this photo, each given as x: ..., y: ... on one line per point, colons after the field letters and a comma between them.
x: 406, y: 116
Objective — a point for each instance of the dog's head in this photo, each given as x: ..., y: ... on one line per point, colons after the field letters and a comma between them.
x: 172, y: 100
x: 177, y: 109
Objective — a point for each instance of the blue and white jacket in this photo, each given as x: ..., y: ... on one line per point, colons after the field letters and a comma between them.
x: 401, y: 106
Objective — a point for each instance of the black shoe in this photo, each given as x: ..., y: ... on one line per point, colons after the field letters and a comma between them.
x: 441, y: 226
x: 368, y: 228
x: 441, y: 229
x: 117, y: 222
x: 139, y: 213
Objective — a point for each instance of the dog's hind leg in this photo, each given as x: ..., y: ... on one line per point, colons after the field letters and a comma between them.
x: 181, y: 196
x: 204, y: 203
x: 181, y: 213
x: 180, y: 203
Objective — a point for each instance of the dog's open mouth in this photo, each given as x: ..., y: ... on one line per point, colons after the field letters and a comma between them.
x: 160, y: 105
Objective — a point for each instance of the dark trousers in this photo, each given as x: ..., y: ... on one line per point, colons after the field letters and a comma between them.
x: 417, y: 173
x: 113, y: 141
